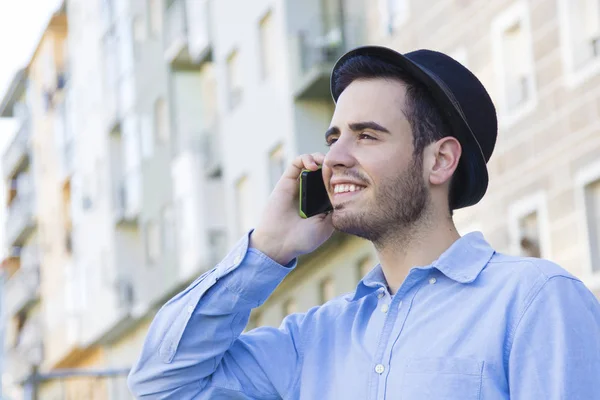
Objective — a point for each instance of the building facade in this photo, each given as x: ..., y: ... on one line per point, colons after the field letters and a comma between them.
x: 169, y: 123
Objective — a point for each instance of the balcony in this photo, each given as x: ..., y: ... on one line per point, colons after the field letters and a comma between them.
x: 28, y: 350
x: 199, y: 41
x: 128, y: 199
x: 22, y: 288
x: 187, y: 44
x: 176, y: 40
x: 20, y: 221
x: 16, y: 156
x: 315, y: 50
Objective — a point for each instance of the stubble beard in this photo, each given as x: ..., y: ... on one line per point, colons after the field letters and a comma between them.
x: 399, y: 206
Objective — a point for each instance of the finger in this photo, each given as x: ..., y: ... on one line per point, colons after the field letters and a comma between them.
x: 295, y: 168
x: 319, y: 158
x: 309, y: 162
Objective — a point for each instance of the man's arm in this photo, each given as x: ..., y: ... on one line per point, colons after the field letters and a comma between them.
x: 194, y: 349
x: 555, y: 351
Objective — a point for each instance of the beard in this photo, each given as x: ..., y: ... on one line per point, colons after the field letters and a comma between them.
x: 398, y: 206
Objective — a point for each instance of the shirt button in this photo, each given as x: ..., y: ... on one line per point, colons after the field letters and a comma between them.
x: 380, y: 295
x: 190, y: 309
x: 385, y: 308
x: 432, y: 281
x: 237, y: 259
x: 379, y: 368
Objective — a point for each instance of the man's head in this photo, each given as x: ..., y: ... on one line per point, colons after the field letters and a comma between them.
x: 389, y: 139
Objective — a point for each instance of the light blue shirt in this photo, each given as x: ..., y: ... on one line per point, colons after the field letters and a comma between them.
x: 474, y: 325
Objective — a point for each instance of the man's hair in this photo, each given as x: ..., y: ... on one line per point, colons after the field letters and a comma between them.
x: 421, y: 111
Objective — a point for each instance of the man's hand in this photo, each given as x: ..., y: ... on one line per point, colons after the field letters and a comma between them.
x: 281, y: 233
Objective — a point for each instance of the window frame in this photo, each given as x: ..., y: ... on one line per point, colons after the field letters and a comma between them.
x: 586, y: 176
x: 574, y: 75
x: 535, y: 202
x: 518, y: 13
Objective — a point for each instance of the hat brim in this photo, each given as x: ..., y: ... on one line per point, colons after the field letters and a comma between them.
x: 470, y: 179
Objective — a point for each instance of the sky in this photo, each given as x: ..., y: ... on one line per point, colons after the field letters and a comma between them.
x: 21, y: 24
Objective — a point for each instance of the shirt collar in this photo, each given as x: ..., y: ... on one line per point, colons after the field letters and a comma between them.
x: 462, y: 262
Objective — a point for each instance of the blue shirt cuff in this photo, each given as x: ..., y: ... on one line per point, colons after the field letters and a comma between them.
x: 256, y: 275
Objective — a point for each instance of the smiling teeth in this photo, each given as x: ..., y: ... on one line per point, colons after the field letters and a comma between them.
x: 346, y: 188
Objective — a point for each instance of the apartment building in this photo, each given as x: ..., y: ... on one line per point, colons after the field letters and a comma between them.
x: 21, y: 306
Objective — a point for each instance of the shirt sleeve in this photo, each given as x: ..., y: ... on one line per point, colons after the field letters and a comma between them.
x: 555, y: 352
x: 195, y: 347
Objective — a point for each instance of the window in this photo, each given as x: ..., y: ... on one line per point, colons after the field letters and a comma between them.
x: 186, y: 238
x: 394, y: 13
x: 167, y: 218
x: 146, y: 136
x: 529, y: 238
x: 528, y: 227
x: 139, y: 33
x: 327, y: 290
x: 513, y: 57
x: 580, y: 37
x: 365, y: 265
x: 155, y: 17
x: 276, y: 165
x: 161, y: 120
x: 153, y: 242
x: 244, y: 208
x: 289, y: 307
x: 234, y: 79
x: 267, y: 46
x: 592, y: 208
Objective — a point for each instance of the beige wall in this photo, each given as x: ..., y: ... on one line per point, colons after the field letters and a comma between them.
x: 47, y: 61
x: 539, y: 157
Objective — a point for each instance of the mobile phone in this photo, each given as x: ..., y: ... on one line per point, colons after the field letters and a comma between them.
x: 314, y: 199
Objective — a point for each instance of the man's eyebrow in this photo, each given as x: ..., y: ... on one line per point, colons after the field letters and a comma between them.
x: 361, y: 126
x: 357, y: 127
x: 334, y: 130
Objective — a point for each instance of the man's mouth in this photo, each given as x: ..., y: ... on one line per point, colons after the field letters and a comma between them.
x: 346, y: 188
x: 346, y: 191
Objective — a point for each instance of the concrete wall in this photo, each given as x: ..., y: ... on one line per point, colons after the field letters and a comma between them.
x: 264, y: 117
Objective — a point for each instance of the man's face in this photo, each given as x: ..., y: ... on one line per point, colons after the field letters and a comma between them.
x: 375, y: 184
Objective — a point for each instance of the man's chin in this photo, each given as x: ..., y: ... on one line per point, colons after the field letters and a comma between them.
x: 344, y: 220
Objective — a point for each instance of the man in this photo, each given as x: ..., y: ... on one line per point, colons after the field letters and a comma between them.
x: 441, y: 316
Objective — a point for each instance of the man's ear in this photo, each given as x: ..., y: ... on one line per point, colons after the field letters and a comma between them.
x: 446, y: 152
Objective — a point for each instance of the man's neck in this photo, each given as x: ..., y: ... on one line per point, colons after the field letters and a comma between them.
x: 419, y: 246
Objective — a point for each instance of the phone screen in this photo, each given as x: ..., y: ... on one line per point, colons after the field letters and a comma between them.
x: 313, y: 195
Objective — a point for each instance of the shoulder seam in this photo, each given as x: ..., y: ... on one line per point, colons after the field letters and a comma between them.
x: 532, y: 296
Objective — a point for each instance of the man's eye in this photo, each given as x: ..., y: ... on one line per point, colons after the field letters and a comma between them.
x: 329, y: 142
x: 365, y: 136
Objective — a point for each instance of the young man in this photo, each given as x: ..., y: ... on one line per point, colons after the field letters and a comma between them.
x: 441, y: 316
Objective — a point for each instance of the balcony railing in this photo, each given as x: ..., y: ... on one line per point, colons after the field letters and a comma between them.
x: 128, y: 198
x: 317, y: 47
x: 16, y: 155
x: 22, y: 289
x: 175, y: 40
x: 20, y: 220
x: 27, y: 352
x: 199, y: 32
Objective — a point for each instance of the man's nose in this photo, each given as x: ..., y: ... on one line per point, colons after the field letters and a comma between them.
x: 339, y: 155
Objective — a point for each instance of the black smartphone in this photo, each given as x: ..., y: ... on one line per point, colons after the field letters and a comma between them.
x: 313, y: 195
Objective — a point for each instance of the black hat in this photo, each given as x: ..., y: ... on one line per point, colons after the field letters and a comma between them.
x: 464, y: 103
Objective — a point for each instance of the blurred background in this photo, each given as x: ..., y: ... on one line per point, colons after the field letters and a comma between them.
x: 141, y: 138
